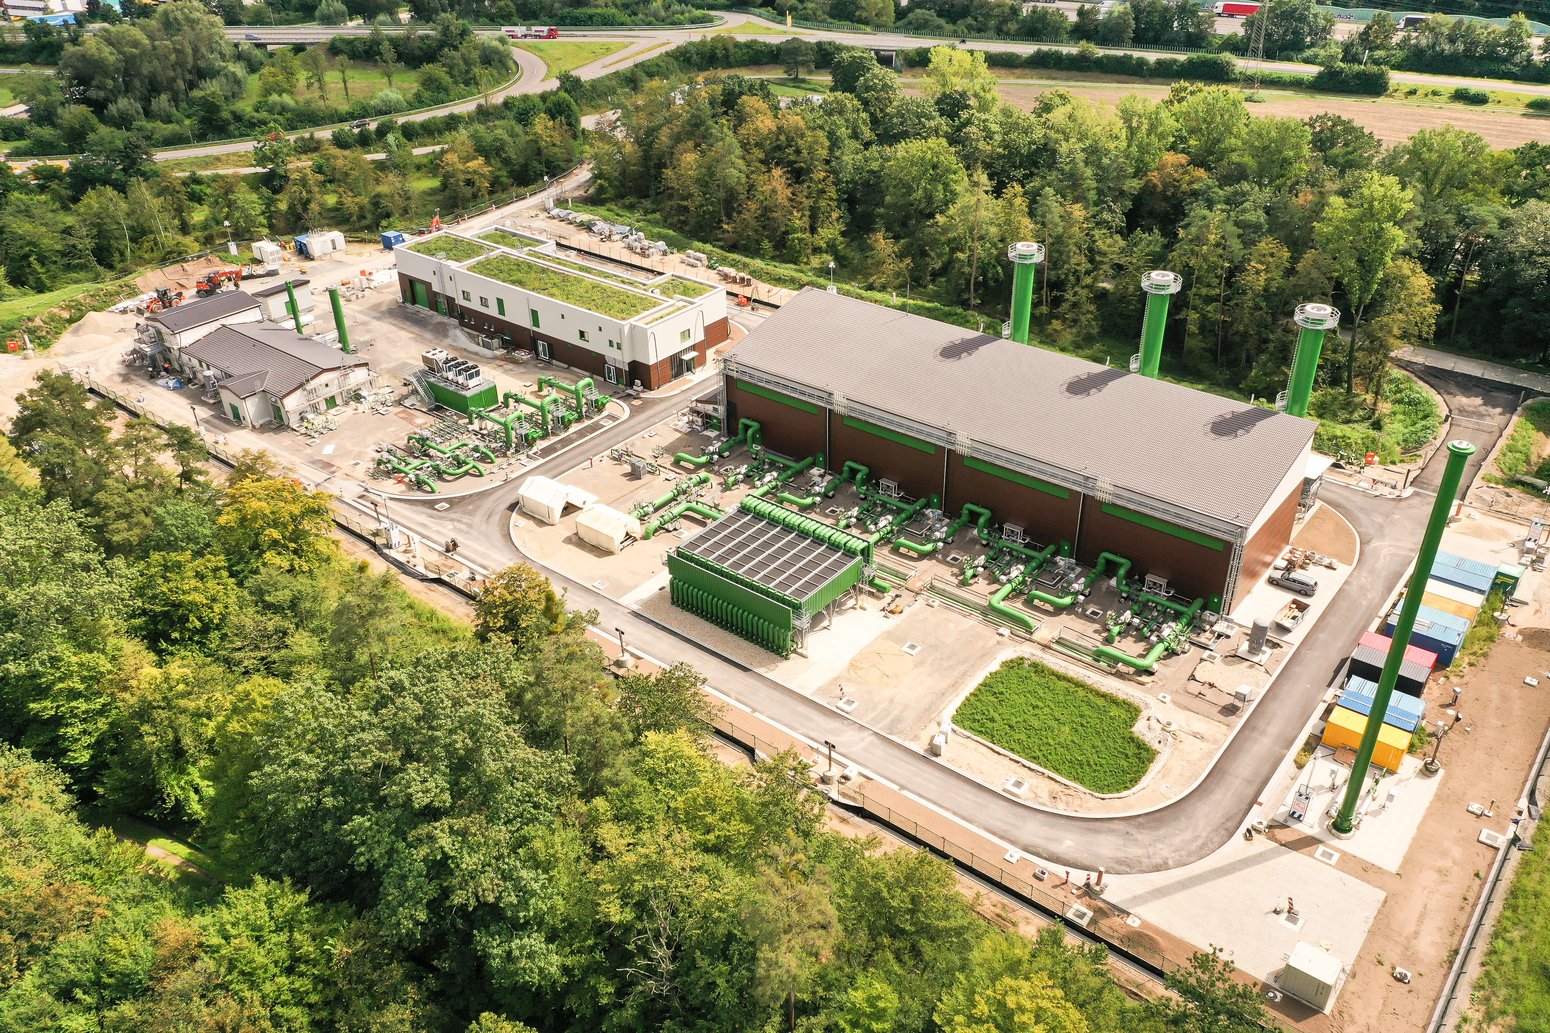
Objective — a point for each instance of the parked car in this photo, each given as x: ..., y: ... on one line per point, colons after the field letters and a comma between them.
x: 1295, y: 581
x: 360, y: 123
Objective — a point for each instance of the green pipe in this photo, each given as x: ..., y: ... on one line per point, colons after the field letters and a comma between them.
x: 1147, y: 662
x: 1025, y: 256
x: 424, y: 441
x: 748, y: 433
x: 1458, y: 456
x: 344, y: 335
x: 904, y: 516
x: 467, y: 466
x: 793, y: 468
x: 689, y: 506
x: 1159, y: 285
x: 695, y: 461
x: 1314, y: 320
x: 679, y: 490
x: 915, y: 548
x: 401, y: 465
x: 816, y: 529
x: 998, y: 606
x: 505, y: 423
x: 543, y: 405
x: 290, y: 293
x: 578, y: 389
x: 878, y: 583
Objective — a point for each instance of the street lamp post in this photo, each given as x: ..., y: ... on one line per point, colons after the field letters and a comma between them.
x: 830, y: 747
x: 197, y: 425
x: 1443, y: 728
x: 624, y: 657
x: 831, y: 272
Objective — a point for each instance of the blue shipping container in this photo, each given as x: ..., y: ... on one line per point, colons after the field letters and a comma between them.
x: 1436, y: 630
x: 1405, y: 712
x: 1465, y: 573
x: 392, y: 238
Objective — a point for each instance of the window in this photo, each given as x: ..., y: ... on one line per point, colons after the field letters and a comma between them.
x: 466, y: 297
x: 683, y: 338
x: 533, y: 315
x: 612, y: 343
x: 500, y: 305
x: 484, y: 302
x: 582, y: 334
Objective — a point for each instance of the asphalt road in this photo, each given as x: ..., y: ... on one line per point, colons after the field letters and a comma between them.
x: 1165, y: 837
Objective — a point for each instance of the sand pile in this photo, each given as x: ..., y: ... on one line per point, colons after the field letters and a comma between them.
x: 181, y: 277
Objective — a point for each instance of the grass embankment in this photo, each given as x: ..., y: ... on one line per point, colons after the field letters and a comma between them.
x: 1513, y: 991
x: 366, y: 79
x: 1483, y: 632
x: 158, y: 842
x: 1407, y: 419
x: 1059, y: 723
x: 43, y: 317
x: 566, y: 55
x: 1526, y: 452
x: 573, y: 290
x: 799, y: 88
x: 457, y: 249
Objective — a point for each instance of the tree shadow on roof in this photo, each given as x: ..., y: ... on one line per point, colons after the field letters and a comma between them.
x: 965, y: 347
x: 1240, y: 422
x: 1089, y: 384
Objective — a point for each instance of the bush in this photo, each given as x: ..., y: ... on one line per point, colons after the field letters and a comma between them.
x: 1539, y: 104
x: 1371, y: 80
x: 1517, y: 456
x: 1467, y: 95
x: 1059, y: 723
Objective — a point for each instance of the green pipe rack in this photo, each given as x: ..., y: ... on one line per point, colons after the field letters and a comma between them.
x: 748, y: 433
x: 579, y: 389
x: 678, y: 491
x: 687, y: 506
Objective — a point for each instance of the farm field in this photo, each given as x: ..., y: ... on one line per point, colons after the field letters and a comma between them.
x: 1392, y: 121
x: 1059, y: 723
x: 567, y: 55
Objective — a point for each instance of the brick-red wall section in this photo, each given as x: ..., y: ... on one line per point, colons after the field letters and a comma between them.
x: 1046, y: 518
x: 715, y: 332
x: 791, y: 432
x: 918, y: 473
x: 1192, y: 570
x: 1267, y: 544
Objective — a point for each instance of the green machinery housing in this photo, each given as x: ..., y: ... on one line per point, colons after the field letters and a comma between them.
x: 764, y: 580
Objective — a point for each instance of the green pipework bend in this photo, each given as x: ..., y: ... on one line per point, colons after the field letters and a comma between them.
x: 998, y: 606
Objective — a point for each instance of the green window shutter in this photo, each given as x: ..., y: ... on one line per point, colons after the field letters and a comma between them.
x: 500, y: 305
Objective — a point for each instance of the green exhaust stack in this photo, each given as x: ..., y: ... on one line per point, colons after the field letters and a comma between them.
x: 290, y: 295
x: 1458, y: 455
x: 344, y: 335
x: 1159, y: 285
x: 1314, y: 319
x: 1025, y: 256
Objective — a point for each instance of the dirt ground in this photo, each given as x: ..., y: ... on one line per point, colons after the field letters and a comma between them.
x: 1391, y: 121
x: 1484, y: 762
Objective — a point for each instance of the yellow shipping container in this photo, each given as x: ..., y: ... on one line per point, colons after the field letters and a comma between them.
x: 1345, y: 728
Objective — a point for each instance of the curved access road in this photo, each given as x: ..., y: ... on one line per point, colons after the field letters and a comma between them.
x: 1177, y: 833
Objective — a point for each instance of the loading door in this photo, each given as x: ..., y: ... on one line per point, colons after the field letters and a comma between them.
x: 421, y: 297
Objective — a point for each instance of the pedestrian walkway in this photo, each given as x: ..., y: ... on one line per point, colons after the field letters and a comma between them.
x: 1495, y: 372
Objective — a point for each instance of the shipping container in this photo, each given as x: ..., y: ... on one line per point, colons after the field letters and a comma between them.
x: 1442, y: 633
x: 1405, y: 712
x: 1455, y: 600
x: 1345, y: 728
x: 1413, y: 653
x: 1507, y: 577
x: 1311, y: 975
x: 1465, y: 573
x: 392, y: 238
x: 1367, y: 662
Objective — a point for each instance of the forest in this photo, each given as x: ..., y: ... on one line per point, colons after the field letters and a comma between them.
x: 413, y: 824
x: 920, y: 190
x: 175, y: 78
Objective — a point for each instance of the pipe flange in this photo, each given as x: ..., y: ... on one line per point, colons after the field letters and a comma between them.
x: 1314, y: 315
x: 1025, y: 252
x: 1161, y: 281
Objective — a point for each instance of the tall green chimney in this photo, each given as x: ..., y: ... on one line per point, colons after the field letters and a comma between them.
x: 344, y: 335
x: 1025, y: 256
x: 1314, y: 319
x: 1159, y: 285
x: 1458, y: 455
x: 290, y: 294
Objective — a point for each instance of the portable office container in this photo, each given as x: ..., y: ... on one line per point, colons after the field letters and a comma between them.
x: 1367, y: 662
x: 1465, y: 573
x: 1404, y: 712
x: 1440, y: 632
x: 1455, y: 600
x: 1345, y: 728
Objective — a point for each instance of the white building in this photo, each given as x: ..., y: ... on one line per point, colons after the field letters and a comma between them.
x: 267, y: 374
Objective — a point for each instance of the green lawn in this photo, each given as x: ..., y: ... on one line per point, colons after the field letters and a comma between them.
x: 152, y: 836
x: 457, y: 249
x: 1059, y: 723
x: 7, y: 98
x: 1513, y: 992
x: 755, y: 28
x: 800, y: 88
x: 604, y: 274
x: 567, y: 55
x: 573, y: 290
x: 365, y: 80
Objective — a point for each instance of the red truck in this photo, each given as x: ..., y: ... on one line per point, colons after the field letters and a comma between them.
x: 1234, y: 10
x: 532, y: 31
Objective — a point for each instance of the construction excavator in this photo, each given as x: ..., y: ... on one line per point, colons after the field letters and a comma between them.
x: 165, y: 298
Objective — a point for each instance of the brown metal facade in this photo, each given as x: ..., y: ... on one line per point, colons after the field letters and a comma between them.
x: 1192, y: 570
x: 1045, y: 517
x: 1267, y: 545
x: 918, y: 472
x: 787, y: 430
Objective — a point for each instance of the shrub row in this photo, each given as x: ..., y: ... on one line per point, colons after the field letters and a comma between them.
x: 1372, y: 80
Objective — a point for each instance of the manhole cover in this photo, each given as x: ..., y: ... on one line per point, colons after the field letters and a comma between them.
x: 599, y: 585
x: 1292, y: 921
x: 442, y: 507
x: 1133, y: 922
x: 912, y: 648
x: 1326, y: 855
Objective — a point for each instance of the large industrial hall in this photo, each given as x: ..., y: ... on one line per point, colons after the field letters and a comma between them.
x: 1195, y: 489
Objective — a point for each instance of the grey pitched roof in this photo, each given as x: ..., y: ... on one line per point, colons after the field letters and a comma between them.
x: 279, y: 288
x: 286, y: 359
x: 1189, y: 449
x: 247, y: 385
x: 204, y: 310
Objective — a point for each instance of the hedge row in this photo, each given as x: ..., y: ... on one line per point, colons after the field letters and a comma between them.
x: 1196, y: 67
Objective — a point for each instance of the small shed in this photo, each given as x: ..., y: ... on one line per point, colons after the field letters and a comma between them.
x: 392, y: 238
x: 607, y: 528
x: 1312, y: 975
x: 317, y: 245
x: 1345, y: 728
x: 547, y: 499
x: 267, y: 253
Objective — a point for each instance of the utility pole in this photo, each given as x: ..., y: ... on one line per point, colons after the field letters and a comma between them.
x: 1458, y: 455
